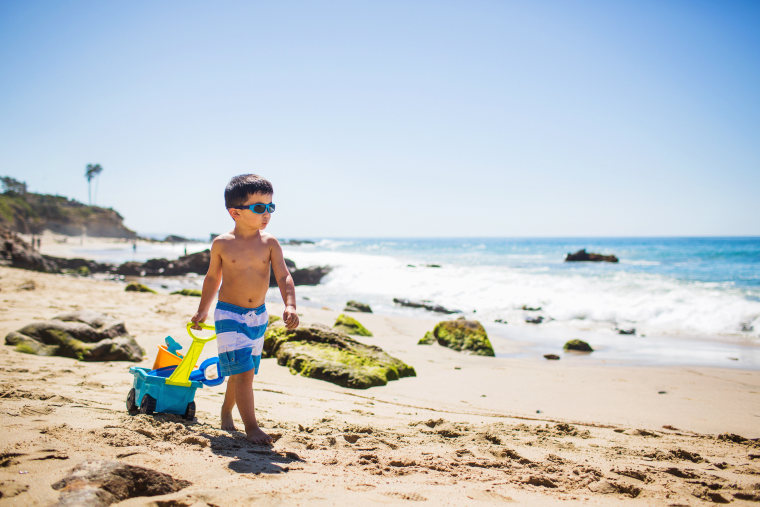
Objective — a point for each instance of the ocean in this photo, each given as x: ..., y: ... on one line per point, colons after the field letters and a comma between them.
x: 690, y: 300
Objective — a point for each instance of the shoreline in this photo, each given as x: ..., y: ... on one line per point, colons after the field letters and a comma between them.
x: 512, y: 340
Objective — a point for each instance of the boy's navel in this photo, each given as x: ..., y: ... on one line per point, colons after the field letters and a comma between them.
x: 234, y: 261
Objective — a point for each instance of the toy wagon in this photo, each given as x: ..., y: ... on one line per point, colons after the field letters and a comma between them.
x: 169, y: 387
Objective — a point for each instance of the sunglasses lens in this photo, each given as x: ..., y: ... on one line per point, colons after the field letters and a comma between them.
x: 259, y: 208
x: 271, y: 208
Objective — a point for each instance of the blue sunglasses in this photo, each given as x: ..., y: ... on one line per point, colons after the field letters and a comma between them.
x: 259, y: 208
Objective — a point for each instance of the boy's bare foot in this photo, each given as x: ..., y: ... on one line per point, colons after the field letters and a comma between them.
x: 258, y: 437
x: 227, y: 423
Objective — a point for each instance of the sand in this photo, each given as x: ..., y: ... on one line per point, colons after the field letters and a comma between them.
x: 467, y: 430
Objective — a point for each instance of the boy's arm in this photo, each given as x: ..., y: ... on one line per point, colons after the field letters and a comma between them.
x: 210, y: 283
x: 286, y: 285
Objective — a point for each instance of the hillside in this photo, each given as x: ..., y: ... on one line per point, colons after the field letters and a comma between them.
x: 28, y: 212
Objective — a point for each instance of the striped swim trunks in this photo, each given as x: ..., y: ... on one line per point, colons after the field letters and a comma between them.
x: 239, y: 337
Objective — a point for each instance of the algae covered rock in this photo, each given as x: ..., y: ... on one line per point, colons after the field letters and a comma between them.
x: 428, y: 339
x: 350, y: 325
x: 187, y: 292
x: 85, y: 335
x: 578, y: 345
x: 138, y: 287
x: 319, y: 352
x: 357, y: 306
x: 461, y: 335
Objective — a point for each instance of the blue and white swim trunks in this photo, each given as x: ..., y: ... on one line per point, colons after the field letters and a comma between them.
x: 239, y: 337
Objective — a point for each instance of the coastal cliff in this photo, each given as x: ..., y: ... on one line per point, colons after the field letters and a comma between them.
x: 31, y: 213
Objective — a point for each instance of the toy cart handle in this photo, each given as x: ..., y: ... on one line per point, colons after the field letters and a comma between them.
x: 203, y: 326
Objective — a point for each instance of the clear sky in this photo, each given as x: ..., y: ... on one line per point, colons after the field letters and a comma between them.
x: 393, y: 118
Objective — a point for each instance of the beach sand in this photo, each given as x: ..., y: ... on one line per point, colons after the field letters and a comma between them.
x: 466, y: 430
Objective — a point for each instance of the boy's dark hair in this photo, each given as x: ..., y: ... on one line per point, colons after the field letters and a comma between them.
x: 243, y: 185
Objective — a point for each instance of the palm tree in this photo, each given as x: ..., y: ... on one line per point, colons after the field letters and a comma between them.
x: 90, y: 172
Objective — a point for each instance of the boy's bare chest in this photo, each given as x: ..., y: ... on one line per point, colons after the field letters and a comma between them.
x: 246, y: 258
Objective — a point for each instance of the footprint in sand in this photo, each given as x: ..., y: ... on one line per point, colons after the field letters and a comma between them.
x: 414, y: 497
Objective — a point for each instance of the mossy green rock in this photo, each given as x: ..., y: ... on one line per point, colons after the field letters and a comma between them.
x: 357, y: 306
x: 462, y: 335
x: 428, y: 339
x: 86, y: 335
x: 138, y: 287
x: 319, y: 352
x: 578, y: 345
x: 188, y: 292
x: 350, y: 325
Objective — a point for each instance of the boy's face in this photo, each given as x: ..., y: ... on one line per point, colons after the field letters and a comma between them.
x: 248, y: 217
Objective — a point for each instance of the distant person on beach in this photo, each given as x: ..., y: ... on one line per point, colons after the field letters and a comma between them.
x: 240, y: 261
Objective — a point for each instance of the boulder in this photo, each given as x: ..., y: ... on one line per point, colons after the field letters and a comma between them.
x: 626, y: 331
x: 428, y: 339
x: 350, y: 325
x: 19, y: 254
x: 578, y: 345
x: 461, y: 335
x: 188, y: 292
x: 357, y: 306
x: 534, y: 320
x: 138, y: 287
x: 307, y: 276
x: 101, y: 482
x: 551, y: 357
x: 83, y: 335
x: 319, y: 352
x: 582, y: 255
x: 427, y: 305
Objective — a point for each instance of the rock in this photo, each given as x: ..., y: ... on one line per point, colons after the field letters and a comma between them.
x: 531, y: 308
x: 427, y: 305
x: 84, y: 335
x: 627, y: 331
x: 462, y: 335
x: 319, y: 352
x: 582, y: 255
x: 173, y: 238
x: 578, y: 345
x: 534, y: 320
x: 306, y: 276
x: 350, y: 325
x: 188, y: 292
x: 501, y: 321
x: 100, y: 482
x: 553, y: 357
x: 311, y: 275
x: 297, y: 242
x: 18, y: 253
x: 356, y: 306
x: 428, y: 339
x: 138, y: 287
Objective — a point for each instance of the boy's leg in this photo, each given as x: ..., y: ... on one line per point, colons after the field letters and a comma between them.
x: 244, y: 398
x: 228, y: 404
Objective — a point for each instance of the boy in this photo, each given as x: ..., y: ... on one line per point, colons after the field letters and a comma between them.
x: 240, y: 262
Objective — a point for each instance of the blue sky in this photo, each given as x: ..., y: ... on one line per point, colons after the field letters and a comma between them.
x: 393, y: 118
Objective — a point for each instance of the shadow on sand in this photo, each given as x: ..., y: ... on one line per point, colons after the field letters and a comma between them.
x: 251, y: 458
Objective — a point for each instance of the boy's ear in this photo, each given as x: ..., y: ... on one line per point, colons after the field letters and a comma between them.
x: 234, y: 213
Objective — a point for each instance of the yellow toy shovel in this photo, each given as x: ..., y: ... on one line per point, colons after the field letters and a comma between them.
x: 181, y: 375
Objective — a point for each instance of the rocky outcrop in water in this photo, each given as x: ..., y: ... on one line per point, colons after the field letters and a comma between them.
x: 319, y: 352
x: 582, y: 255
x: 427, y: 305
x: 17, y: 253
x: 85, y: 335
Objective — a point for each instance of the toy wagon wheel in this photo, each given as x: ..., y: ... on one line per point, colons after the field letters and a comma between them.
x: 148, y: 404
x: 131, y: 405
x: 190, y: 412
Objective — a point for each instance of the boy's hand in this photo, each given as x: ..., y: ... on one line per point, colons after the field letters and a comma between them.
x: 290, y: 317
x: 198, y: 317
